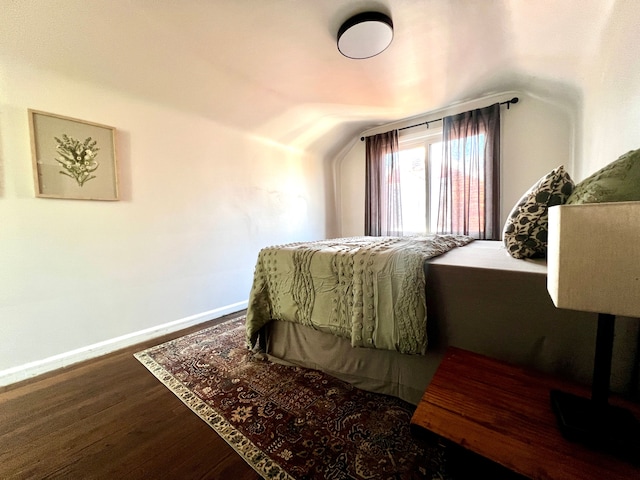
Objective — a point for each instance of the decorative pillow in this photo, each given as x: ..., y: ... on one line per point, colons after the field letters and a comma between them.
x: 526, y: 228
x: 617, y: 182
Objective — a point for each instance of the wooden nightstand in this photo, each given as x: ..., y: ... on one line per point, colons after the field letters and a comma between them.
x: 503, y: 413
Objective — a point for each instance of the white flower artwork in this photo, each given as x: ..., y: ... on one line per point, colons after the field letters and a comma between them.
x: 73, y: 159
x: 78, y: 159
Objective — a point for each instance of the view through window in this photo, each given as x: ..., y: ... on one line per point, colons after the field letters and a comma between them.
x: 420, y: 160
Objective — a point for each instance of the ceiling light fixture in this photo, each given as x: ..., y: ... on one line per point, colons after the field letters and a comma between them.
x: 365, y: 35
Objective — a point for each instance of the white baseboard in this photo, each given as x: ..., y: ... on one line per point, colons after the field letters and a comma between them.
x: 38, y: 367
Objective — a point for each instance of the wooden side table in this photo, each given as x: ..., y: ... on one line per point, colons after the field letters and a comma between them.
x: 503, y: 413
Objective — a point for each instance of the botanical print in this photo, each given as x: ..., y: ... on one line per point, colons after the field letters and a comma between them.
x: 77, y: 159
x: 72, y: 158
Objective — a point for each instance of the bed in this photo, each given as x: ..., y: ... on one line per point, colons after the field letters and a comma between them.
x: 476, y: 297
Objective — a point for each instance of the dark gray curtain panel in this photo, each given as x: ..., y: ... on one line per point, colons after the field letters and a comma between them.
x: 383, y: 212
x: 469, y: 197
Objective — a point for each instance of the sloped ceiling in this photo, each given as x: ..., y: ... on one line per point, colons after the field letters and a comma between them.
x: 271, y: 67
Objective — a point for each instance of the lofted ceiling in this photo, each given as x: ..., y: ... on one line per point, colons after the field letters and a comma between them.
x: 271, y: 67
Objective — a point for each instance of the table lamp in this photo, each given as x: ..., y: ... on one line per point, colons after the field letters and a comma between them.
x: 593, y: 263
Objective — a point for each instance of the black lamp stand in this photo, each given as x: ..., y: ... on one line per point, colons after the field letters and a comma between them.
x: 594, y: 421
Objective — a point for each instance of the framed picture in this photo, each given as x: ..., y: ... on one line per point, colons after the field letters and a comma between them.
x: 73, y: 158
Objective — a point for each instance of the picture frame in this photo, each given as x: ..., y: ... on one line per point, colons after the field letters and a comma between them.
x: 72, y: 158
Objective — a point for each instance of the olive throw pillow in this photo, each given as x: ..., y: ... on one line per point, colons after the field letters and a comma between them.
x: 617, y: 182
x: 525, y: 231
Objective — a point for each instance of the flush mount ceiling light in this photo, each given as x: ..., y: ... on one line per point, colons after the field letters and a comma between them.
x: 365, y: 35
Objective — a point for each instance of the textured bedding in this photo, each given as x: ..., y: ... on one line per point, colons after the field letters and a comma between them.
x: 370, y: 290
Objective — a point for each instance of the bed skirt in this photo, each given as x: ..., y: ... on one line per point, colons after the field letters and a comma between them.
x: 383, y: 371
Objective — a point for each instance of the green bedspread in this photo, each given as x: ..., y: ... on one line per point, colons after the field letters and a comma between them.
x: 370, y: 290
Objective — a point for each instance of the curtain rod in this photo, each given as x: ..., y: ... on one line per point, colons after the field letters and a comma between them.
x: 507, y: 103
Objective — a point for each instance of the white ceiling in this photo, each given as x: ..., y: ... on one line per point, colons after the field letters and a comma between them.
x: 271, y: 67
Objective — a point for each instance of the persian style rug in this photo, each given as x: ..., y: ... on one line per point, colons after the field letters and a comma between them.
x: 290, y: 422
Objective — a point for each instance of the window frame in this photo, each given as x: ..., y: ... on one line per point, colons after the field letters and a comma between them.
x: 424, y: 137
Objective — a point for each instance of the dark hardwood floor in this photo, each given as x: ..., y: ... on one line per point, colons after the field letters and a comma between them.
x: 109, y: 418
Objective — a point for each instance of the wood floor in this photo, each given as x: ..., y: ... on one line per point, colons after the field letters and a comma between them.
x: 109, y: 418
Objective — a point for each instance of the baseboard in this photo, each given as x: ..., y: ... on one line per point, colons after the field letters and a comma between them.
x: 38, y: 367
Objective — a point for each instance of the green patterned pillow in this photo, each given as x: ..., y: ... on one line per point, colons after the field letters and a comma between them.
x: 617, y: 182
x: 526, y: 228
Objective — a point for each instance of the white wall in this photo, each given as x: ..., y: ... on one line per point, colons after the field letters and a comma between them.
x: 537, y: 135
x: 612, y: 92
x: 198, y: 201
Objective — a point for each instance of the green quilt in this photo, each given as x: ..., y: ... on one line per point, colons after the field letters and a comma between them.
x: 370, y: 290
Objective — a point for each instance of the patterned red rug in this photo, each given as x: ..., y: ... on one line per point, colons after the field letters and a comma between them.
x: 290, y: 422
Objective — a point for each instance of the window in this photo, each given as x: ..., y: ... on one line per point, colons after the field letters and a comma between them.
x: 445, y: 181
x: 420, y: 158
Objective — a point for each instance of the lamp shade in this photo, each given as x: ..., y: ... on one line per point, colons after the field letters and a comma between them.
x: 365, y: 35
x: 593, y: 257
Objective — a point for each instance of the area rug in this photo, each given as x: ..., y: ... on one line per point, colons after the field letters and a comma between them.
x: 291, y: 422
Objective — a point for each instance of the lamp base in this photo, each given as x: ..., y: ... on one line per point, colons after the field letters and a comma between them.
x: 604, y: 427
